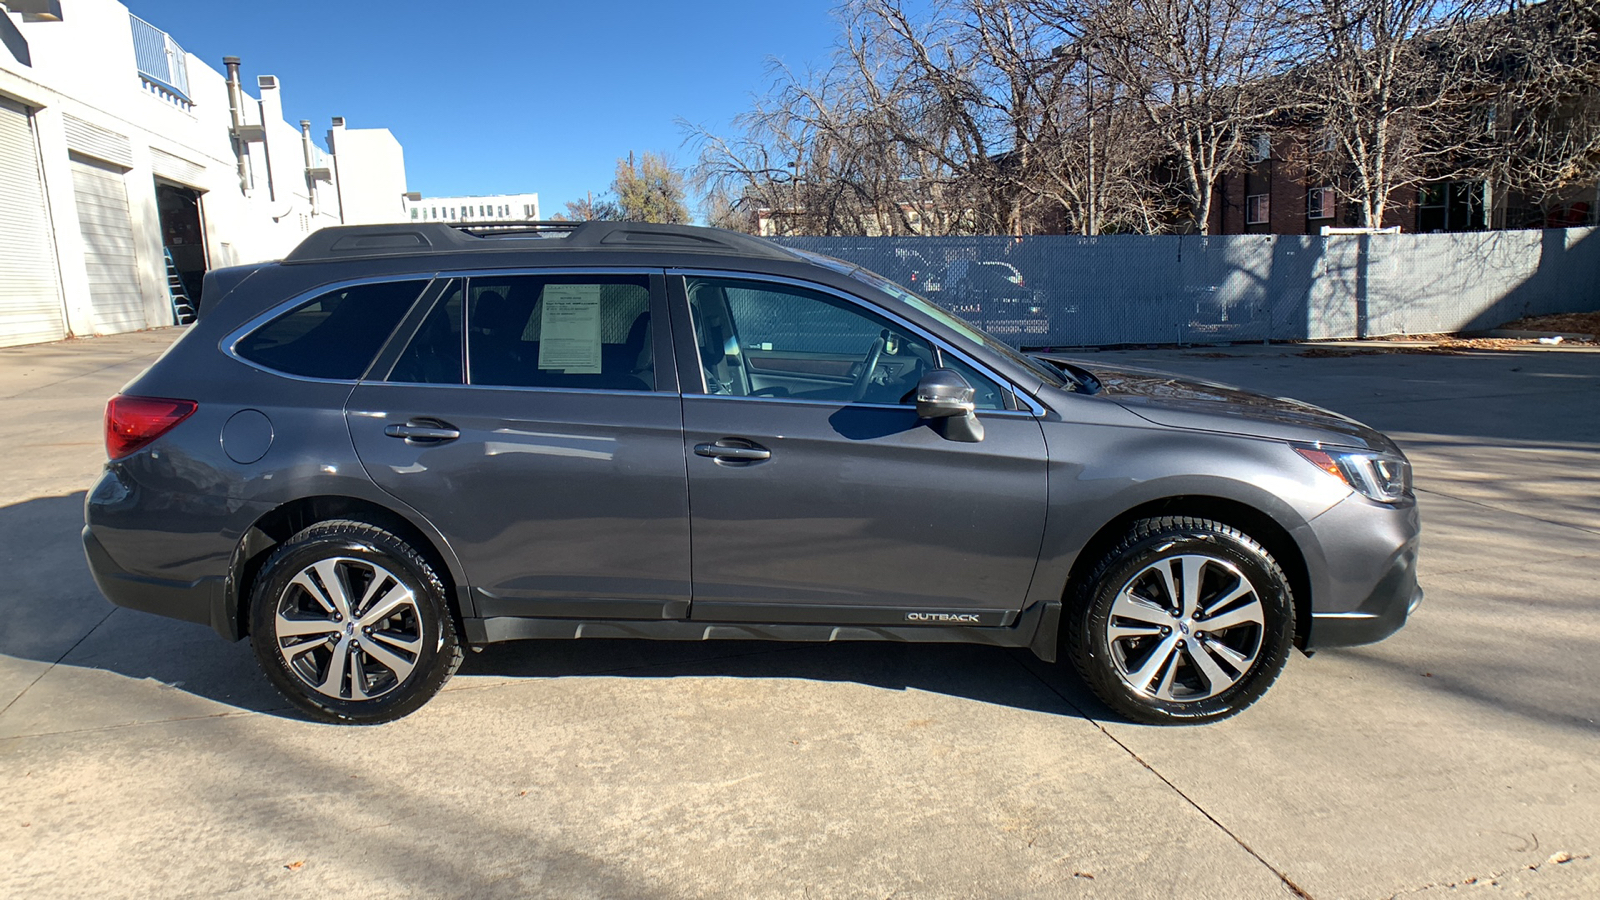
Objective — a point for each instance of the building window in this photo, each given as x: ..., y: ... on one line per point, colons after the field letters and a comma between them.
x: 1257, y: 208
x: 1319, y: 203
x: 413, y: 213
x: 1260, y: 148
x: 1325, y: 141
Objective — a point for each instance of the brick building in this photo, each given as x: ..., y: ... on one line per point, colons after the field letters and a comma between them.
x: 1278, y: 192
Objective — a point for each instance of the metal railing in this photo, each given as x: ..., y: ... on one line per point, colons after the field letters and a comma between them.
x: 161, y: 62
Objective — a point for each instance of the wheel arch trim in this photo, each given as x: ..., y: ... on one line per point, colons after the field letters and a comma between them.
x: 290, y: 517
x: 1282, y: 532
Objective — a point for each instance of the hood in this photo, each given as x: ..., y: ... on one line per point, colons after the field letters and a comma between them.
x: 1180, y: 402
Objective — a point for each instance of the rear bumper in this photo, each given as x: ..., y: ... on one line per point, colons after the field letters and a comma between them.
x: 198, y: 601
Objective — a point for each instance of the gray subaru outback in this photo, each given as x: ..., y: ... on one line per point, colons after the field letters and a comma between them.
x: 400, y: 441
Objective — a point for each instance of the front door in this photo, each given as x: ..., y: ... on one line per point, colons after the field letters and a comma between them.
x: 542, y: 445
x: 817, y: 495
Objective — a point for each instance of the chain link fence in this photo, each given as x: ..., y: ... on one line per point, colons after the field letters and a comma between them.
x: 1069, y: 291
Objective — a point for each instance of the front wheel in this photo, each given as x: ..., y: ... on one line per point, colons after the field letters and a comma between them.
x: 1186, y: 620
x: 351, y: 625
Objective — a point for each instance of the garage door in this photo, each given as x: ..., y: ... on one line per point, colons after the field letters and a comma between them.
x: 30, y: 289
x: 109, y: 255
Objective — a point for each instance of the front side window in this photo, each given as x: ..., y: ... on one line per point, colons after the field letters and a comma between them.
x: 335, y: 335
x: 770, y: 340
x: 585, y: 332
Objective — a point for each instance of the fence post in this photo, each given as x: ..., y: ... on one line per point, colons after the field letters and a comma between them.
x: 1363, y: 263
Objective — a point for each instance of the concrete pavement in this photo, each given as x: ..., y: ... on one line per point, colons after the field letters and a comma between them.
x: 146, y: 757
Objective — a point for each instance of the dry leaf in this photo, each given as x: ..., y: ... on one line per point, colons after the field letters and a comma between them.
x: 296, y: 866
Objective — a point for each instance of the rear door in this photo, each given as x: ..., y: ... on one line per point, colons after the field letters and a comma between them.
x: 534, y: 419
x: 816, y: 493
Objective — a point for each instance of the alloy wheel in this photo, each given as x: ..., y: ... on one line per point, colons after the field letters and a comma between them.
x: 1185, y: 628
x: 349, y: 628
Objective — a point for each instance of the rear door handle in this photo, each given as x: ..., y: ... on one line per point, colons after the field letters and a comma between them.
x: 423, y: 431
x: 733, y: 450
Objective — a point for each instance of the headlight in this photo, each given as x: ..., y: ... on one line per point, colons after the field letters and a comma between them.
x: 1383, y: 477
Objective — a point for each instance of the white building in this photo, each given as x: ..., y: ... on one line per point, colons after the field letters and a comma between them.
x: 118, y: 148
x: 492, y: 208
x: 370, y: 166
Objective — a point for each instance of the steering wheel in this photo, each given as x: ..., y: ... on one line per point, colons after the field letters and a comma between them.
x: 869, y: 364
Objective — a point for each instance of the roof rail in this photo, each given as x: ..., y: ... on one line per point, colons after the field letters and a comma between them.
x: 348, y: 242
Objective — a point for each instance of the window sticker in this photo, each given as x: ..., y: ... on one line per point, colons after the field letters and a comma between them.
x: 569, y: 326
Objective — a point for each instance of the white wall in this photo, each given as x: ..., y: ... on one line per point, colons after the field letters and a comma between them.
x: 84, y: 67
x: 372, y: 174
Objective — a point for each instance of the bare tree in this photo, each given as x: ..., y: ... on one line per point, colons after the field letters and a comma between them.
x: 958, y: 121
x: 1544, y: 131
x: 1398, y: 92
x: 1011, y: 116
x: 1095, y: 153
x: 1200, y: 71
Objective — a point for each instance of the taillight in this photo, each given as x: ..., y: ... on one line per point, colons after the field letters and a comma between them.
x: 132, y: 422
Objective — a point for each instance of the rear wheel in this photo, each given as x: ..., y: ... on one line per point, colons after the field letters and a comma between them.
x: 351, y: 625
x: 1185, y: 620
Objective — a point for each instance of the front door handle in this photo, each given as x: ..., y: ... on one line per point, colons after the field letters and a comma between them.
x: 733, y: 450
x: 423, y: 431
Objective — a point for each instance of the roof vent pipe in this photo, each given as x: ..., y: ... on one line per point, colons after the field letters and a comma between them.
x: 334, y: 133
x: 268, y: 87
x: 241, y: 150
x: 311, y: 164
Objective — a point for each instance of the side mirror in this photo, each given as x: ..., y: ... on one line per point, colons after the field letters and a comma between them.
x: 945, y: 397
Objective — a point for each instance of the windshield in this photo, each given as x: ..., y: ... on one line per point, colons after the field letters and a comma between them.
x: 1047, y: 373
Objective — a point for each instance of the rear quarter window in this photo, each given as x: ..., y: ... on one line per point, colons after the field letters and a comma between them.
x: 335, y: 335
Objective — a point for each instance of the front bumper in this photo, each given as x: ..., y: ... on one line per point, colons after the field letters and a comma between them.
x: 1370, y: 585
x: 1383, y: 615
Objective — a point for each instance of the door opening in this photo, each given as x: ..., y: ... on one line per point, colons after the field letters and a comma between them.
x: 183, y: 234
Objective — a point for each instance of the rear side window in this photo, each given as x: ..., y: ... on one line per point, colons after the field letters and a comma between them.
x: 582, y: 332
x: 335, y: 335
x: 434, y: 355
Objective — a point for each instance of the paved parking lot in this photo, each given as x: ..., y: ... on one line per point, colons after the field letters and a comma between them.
x: 145, y: 757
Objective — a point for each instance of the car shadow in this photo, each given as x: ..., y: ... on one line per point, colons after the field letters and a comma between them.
x: 55, y: 616
x: 994, y: 675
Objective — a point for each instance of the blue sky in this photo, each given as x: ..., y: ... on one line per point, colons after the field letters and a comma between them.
x: 507, y: 96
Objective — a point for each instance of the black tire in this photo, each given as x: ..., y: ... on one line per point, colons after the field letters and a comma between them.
x: 364, y: 560
x: 1178, y: 673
